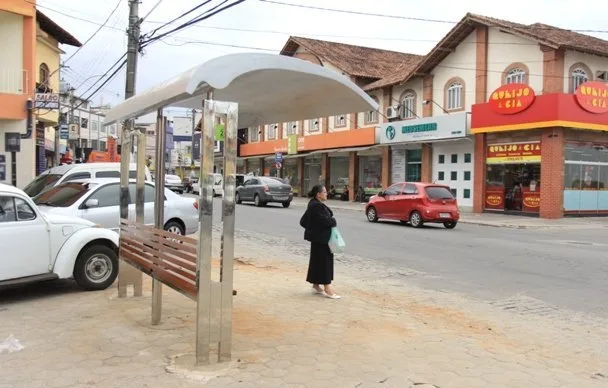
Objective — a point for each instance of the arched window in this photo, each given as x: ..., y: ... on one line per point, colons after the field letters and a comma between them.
x: 516, y: 76
x: 454, y: 94
x: 43, y: 75
x: 579, y: 74
x: 371, y: 117
x: 408, y: 104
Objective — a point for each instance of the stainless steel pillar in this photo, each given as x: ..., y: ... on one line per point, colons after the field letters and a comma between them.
x: 203, y: 265
x: 159, y: 207
x: 228, y: 217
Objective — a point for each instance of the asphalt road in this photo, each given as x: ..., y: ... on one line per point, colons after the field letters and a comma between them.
x: 564, y: 269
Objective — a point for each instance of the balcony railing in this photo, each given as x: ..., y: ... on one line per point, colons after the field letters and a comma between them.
x: 13, y: 81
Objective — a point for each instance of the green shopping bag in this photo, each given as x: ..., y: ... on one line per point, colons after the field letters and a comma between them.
x: 336, y: 242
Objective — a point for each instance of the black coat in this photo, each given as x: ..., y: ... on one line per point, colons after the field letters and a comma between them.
x: 318, y: 221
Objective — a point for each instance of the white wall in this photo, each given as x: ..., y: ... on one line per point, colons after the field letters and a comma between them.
x: 11, y: 47
x: 594, y: 63
x: 447, y: 149
x: 414, y: 84
x: 505, y: 49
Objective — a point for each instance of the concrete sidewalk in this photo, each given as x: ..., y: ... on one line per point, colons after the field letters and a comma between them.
x: 495, y: 220
x: 379, y: 335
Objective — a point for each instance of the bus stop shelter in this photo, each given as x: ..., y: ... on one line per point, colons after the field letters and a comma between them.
x: 241, y: 91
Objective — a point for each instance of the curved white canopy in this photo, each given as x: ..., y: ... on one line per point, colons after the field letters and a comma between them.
x: 268, y: 88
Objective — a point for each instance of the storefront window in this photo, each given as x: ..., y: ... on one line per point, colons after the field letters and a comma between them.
x: 513, y: 187
x: 338, y: 174
x: 290, y: 174
x: 370, y: 174
x: 586, y: 178
x: 413, y: 169
x: 312, y: 172
x: 253, y: 165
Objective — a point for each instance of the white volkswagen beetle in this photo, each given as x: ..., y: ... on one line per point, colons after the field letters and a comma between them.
x: 36, y: 247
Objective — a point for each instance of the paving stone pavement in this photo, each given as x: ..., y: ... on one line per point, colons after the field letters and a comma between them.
x: 379, y: 335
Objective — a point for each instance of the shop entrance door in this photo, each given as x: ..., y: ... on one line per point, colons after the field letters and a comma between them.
x: 513, y: 187
x: 312, y: 174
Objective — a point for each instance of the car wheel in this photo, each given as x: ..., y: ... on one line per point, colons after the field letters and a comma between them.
x: 175, y: 228
x: 286, y: 204
x: 257, y: 202
x: 96, y: 268
x: 416, y: 219
x: 237, y: 199
x: 450, y: 224
x: 372, y: 215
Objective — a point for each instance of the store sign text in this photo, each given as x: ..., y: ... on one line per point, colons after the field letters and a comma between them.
x: 532, y: 201
x: 494, y: 199
x: 513, y: 153
x: 593, y: 97
x: 427, y: 127
x: 511, y: 98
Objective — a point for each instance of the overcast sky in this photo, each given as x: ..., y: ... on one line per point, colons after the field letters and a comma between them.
x: 269, y: 25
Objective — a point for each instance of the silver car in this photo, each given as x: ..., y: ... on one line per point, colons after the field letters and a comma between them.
x: 98, y: 200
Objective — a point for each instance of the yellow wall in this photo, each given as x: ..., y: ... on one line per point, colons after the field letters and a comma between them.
x: 47, y: 51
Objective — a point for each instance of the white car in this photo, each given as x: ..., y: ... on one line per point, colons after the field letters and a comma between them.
x: 98, y: 200
x: 37, y: 247
x: 174, y: 183
x: 218, y: 185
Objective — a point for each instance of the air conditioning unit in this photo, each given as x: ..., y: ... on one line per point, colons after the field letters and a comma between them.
x: 393, y: 112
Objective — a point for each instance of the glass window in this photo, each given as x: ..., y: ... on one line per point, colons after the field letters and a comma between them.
x: 149, y: 193
x: 7, y: 209
x: 409, y: 106
x: 40, y: 183
x: 441, y: 175
x: 109, y: 174
x: 394, y: 190
x: 454, y: 158
x: 454, y: 192
x: 108, y: 195
x: 516, y: 75
x: 410, y: 189
x: 467, y: 175
x: 272, y: 131
x: 441, y: 159
x: 340, y: 121
x: 77, y: 176
x: 454, y: 95
x: 579, y: 76
x: 467, y: 158
x: 370, y: 174
x: 24, y: 210
x: 438, y: 192
x: 454, y: 175
x: 64, y: 195
x: 314, y: 125
x: 413, y: 168
x: 466, y: 193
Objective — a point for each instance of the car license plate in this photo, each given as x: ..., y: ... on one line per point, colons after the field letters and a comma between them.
x: 281, y: 198
x: 445, y: 215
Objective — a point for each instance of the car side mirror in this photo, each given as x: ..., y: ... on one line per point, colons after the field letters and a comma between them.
x: 91, y: 203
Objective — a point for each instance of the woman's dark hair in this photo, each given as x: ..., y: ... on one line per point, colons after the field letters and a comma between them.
x: 315, y: 190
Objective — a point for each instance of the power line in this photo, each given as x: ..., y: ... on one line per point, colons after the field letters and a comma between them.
x: 78, y: 18
x: 400, y: 16
x: 151, y: 33
x: 151, y: 10
x: 185, y: 42
x: 96, y: 32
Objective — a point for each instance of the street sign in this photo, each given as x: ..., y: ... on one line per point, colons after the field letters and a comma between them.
x: 74, y: 131
x: 64, y: 133
x: 46, y: 101
x: 278, y: 157
x: 278, y: 165
x: 219, y: 132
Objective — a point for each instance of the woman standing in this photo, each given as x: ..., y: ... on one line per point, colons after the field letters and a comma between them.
x: 318, y: 221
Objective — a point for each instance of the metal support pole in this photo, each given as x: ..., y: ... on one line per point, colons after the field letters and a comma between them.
x: 228, y: 216
x: 159, y: 207
x: 203, y: 265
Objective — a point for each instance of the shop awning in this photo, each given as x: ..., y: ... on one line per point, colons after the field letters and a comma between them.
x: 268, y: 88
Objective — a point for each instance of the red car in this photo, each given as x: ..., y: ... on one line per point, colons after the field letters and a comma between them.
x: 415, y: 203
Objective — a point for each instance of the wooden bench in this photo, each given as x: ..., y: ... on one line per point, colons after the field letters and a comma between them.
x: 167, y: 257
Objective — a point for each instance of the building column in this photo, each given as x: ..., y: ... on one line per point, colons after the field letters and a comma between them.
x: 479, y: 177
x: 481, y: 65
x: 246, y: 165
x: 279, y: 130
x: 553, y: 70
x: 262, y: 132
x: 262, y: 167
x: 552, y: 173
x: 386, y: 166
x: 352, y: 120
x: 300, y: 168
x: 325, y: 169
x: 427, y: 94
x: 324, y: 124
x: 353, y: 174
x: 426, y: 173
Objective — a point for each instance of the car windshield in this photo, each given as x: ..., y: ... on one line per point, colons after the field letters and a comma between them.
x: 438, y: 192
x: 64, y: 195
x: 41, y: 183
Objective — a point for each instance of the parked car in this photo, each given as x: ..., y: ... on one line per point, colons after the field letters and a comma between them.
x: 416, y: 204
x: 188, y: 182
x: 71, y: 172
x: 218, y: 185
x: 99, y: 201
x: 38, y: 246
x: 174, y: 183
x: 263, y: 190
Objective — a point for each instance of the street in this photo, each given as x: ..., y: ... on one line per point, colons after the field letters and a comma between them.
x: 547, y: 272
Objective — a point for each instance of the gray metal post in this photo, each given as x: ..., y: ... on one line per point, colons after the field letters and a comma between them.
x: 228, y: 215
x: 203, y: 265
x: 159, y: 207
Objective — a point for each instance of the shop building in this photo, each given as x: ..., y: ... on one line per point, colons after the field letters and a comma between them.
x: 543, y: 155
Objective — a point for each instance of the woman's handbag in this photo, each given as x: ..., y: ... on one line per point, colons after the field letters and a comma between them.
x: 336, y: 242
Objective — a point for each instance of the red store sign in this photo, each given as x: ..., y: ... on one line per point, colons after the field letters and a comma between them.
x: 593, y: 97
x: 512, y: 98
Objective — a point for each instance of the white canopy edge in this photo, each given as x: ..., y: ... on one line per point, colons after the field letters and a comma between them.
x: 268, y: 88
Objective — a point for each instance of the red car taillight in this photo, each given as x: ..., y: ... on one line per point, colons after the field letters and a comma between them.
x: 195, y: 205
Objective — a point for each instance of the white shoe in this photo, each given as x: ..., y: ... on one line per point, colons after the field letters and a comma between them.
x: 333, y: 296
